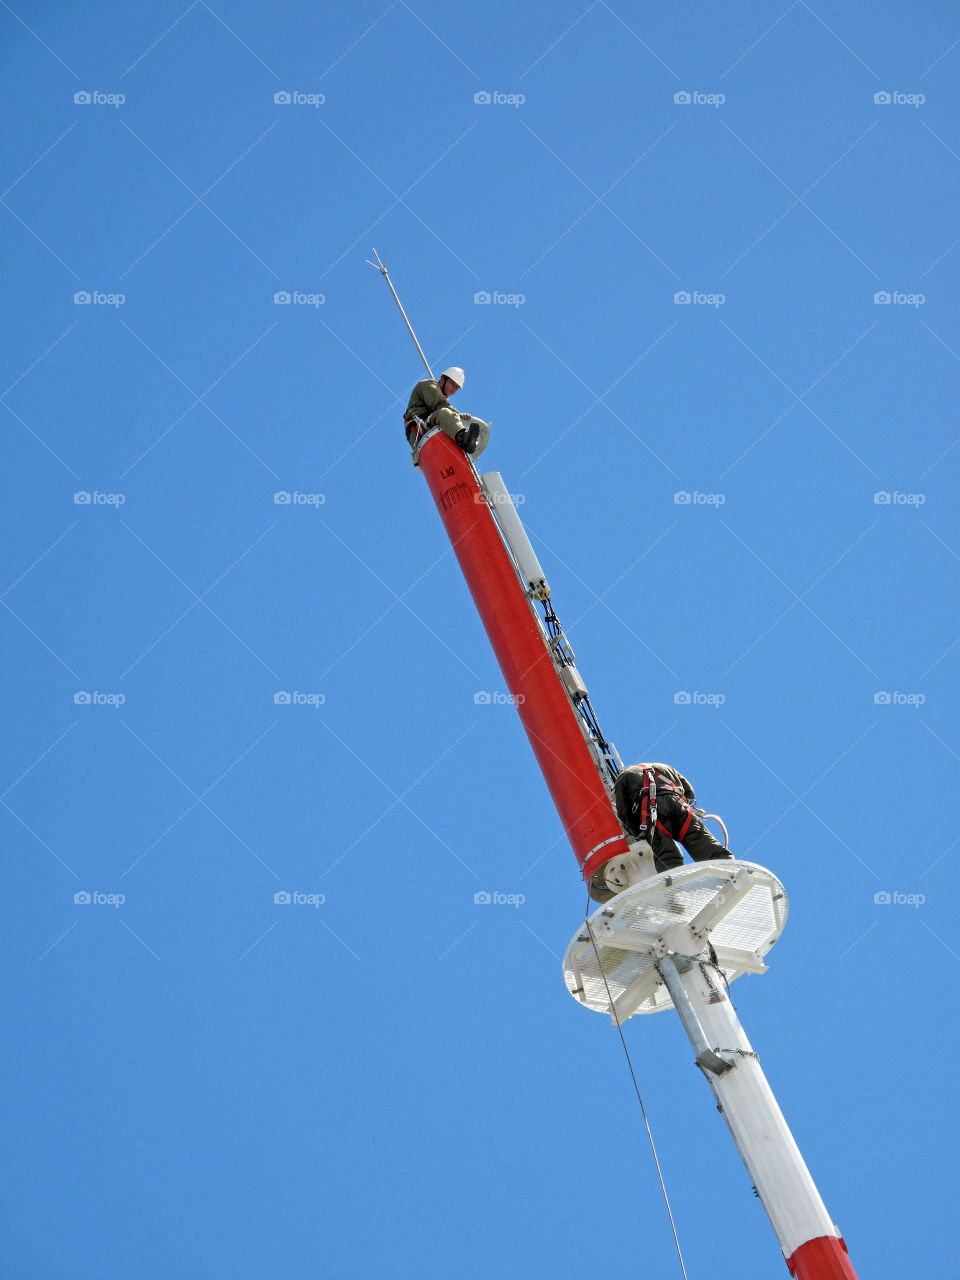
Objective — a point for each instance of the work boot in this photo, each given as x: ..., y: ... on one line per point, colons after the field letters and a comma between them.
x: 467, y: 437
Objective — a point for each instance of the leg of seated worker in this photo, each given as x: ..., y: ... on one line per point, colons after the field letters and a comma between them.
x: 447, y: 419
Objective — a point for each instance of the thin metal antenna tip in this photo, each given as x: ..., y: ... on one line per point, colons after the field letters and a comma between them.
x: 381, y: 266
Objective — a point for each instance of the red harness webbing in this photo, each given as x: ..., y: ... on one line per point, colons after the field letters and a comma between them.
x: 648, y: 806
x: 686, y: 826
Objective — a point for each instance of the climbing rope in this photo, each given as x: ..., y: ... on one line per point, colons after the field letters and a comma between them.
x: 636, y: 1087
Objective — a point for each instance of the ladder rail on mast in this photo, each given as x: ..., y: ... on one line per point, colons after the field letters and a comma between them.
x: 609, y: 763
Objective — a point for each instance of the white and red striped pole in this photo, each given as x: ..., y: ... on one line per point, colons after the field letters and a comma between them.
x: 811, y: 1244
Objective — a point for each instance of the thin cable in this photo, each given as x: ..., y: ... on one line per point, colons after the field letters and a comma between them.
x: 636, y: 1087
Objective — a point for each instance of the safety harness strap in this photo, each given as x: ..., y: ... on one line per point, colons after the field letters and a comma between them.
x: 647, y: 803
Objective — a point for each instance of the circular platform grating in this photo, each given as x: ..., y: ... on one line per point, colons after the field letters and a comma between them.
x: 744, y: 905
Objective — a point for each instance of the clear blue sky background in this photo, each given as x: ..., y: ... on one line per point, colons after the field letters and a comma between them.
x: 202, y: 1082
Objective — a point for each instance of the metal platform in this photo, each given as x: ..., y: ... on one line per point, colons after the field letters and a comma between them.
x: 738, y: 908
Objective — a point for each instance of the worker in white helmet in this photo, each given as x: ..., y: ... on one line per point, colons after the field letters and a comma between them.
x: 430, y: 406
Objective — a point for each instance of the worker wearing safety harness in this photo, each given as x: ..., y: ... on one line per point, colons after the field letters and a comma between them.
x: 430, y: 406
x: 654, y: 804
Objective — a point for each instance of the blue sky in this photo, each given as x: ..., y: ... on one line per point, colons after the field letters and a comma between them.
x: 381, y: 1077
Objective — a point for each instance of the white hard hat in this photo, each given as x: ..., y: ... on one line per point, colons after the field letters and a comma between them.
x: 454, y: 374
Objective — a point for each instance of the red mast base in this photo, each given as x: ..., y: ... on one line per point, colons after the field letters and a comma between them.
x: 823, y: 1258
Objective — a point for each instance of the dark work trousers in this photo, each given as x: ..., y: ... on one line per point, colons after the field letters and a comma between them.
x: 672, y: 811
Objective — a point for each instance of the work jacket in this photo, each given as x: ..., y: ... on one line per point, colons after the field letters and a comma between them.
x: 426, y: 398
x: 668, y: 780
